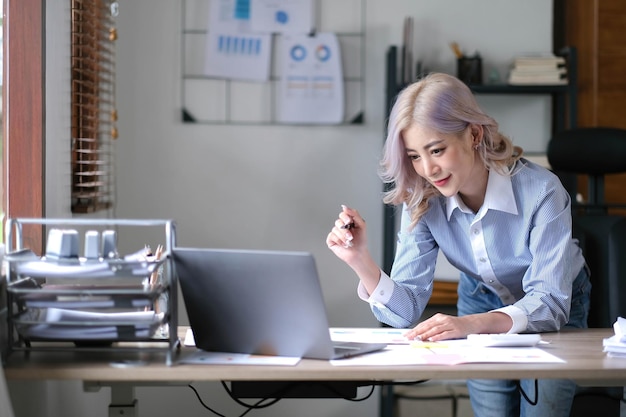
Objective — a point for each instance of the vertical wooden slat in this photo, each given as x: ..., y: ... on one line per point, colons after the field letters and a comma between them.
x: 24, y: 114
x: 92, y: 81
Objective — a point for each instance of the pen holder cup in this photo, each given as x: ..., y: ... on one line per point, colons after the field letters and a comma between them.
x: 470, y: 70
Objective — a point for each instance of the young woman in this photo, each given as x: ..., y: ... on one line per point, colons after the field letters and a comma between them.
x: 501, y: 220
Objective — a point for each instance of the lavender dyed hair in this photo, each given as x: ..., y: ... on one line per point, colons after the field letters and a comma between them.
x: 443, y: 103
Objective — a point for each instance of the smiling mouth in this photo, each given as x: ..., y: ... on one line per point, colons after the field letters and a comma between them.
x: 442, y: 182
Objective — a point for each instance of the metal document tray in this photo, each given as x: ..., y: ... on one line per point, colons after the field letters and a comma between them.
x: 108, y: 303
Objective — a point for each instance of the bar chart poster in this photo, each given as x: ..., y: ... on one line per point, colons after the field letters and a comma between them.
x: 238, y: 55
x: 233, y: 51
x: 311, y: 86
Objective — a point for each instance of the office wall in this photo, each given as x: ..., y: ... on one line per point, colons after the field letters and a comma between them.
x: 270, y: 187
x: 280, y: 187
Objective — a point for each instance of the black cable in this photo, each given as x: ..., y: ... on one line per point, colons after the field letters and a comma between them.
x: 249, y: 407
x: 356, y: 400
x: 259, y: 404
x: 202, y: 402
x: 521, y: 390
x: 278, y: 395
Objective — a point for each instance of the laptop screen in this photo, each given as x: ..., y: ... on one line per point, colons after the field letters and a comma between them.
x: 247, y: 301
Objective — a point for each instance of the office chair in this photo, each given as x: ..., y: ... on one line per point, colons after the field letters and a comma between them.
x: 595, y: 152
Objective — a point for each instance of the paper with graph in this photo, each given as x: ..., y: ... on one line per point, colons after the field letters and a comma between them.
x: 311, y: 88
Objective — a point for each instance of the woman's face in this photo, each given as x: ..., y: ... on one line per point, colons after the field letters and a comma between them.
x: 448, y: 161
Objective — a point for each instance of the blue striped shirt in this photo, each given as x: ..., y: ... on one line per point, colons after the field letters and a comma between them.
x: 519, y: 244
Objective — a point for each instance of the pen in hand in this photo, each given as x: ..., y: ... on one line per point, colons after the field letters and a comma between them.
x: 349, y: 238
x: 348, y: 226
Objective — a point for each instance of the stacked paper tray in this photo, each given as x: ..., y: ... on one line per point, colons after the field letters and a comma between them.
x: 92, y: 301
x: 85, y: 300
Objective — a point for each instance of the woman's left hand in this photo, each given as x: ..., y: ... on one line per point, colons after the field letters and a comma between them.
x: 443, y: 326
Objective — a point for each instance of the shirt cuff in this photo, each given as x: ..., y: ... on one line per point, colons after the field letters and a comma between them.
x: 520, y: 321
x: 381, y: 295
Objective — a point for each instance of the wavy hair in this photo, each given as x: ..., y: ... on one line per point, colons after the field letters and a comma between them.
x: 443, y: 103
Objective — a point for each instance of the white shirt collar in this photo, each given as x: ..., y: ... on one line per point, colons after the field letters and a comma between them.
x: 499, y: 196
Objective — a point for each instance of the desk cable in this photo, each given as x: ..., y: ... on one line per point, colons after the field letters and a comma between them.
x: 258, y: 405
x: 521, y: 390
x: 278, y: 395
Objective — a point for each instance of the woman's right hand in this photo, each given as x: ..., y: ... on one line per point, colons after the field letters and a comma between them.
x: 349, y: 243
x: 348, y: 237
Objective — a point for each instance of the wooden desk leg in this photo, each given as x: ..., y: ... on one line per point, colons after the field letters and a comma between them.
x: 123, y: 401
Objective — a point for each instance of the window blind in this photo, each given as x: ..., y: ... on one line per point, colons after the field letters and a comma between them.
x: 94, y: 114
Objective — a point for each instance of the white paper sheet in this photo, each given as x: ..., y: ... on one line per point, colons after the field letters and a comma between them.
x: 62, y: 324
x: 282, y: 16
x: 238, y: 56
x: 229, y: 15
x: 233, y: 51
x: 201, y: 357
x: 619, y: 327
x: 83, y: 268
x: 388, y: 335
x: 189, y: 339
x: 311, y: 87
x: 615, y: 346
x: 453, y: 352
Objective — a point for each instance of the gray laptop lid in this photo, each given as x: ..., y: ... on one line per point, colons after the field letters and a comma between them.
x: 262, y: 302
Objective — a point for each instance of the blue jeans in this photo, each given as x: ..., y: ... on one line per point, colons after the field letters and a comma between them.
x: 499, y: 398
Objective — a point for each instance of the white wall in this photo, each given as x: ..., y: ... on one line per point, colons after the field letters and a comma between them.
x: 270, y: 187
x: 280, y: 187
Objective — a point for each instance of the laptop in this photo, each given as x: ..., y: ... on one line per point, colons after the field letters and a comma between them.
x: 258, y: 302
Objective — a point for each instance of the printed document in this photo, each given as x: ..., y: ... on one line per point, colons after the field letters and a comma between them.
x: 311, y: 86
x: 282, y: 16
x: 400, y: 351
x: 233, y: 51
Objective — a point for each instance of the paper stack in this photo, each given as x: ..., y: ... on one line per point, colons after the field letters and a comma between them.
x: 615, y: 346
x: 544, y: 69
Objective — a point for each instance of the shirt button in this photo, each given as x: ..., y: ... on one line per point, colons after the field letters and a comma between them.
x: 381, y: 293
x: 482, y: 260
x: 476, y: 231
x: 490, y: 281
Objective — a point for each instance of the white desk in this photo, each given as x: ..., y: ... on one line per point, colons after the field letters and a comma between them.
x: 581, y: 349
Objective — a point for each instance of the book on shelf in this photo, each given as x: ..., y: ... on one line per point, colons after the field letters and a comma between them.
x: 545, y: 69
x: 553, y: 77
x: 531, y: 69
x: 545, y: 60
